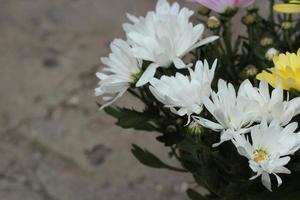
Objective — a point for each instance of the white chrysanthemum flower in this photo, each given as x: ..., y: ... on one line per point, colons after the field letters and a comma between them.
x: 268, y: 152
x: 164, y: 36
x: 271, y: 106
x: 183, y: 94
x: 233, y: 113
x: 122, y: 70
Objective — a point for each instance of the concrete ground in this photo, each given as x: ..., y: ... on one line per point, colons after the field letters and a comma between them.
x: 55, y: 144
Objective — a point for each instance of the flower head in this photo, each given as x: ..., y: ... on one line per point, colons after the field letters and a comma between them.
x: 285, y: 72
x: 268, y: 152
x: 270, y: 106
x: 122, y: 70
x: 164, y: 36
x: 233, y: 112
x: 293, y: 6
x: 221, y: 6
x: 183, y: 94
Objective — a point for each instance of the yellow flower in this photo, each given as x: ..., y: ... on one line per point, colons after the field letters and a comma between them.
x: 292, y: 7
x: 286, y: 71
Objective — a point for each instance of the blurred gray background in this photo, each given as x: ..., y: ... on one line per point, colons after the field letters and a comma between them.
x: 55, y: 144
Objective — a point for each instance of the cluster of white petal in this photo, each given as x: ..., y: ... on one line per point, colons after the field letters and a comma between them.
x: 163, y: 37
x: 269, y: 150
x: 233, y: 112
x: 119, y: 73
x: 266, y: 116
x: 270, y: 106
x: 185, y: 92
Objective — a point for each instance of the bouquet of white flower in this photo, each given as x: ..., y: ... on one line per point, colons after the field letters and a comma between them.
x: 226, y: 108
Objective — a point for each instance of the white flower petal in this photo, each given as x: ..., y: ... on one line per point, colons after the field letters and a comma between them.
x: 279, y: 181
x: 113, y: 99
x: 208, y: 124
x: 147, y: 75
x: 205, y: 41
x: 266, y: 181
x: 179, y: 64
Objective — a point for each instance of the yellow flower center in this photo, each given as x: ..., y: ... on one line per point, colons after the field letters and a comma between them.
x: 135, y: 77
x: 260, y: 155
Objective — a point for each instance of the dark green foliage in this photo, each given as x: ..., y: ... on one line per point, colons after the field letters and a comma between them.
x: 169, y: 139
x: 127, y: 118
x: 150, y: 160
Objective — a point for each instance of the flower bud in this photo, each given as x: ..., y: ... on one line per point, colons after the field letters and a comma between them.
x: 213, y: 23
x: 195, y: 131
x: 266, y: 41
x: 271, y: 53
x: 250, y: 71
x: 287, y: 25
x: 248, y: 19
x: 230, y: 12
x: 203, y: 10
x: 252, y: 9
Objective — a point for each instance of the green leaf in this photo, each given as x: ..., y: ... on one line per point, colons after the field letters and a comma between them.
x: 128, y: 118
x: 169, y: 139
x: 193, y: 195
x: 150, y: 160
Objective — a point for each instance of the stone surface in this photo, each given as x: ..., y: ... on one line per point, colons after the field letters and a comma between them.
x: 54, y: 144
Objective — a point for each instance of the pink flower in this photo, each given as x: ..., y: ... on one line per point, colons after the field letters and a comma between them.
x: 220, y: 6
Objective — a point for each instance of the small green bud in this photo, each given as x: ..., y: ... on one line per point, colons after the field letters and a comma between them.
x: 249, y: 19
x: 203, y: 10
x: 252, y: 9
x: 266, y: 41
x: 195, y: 131
x: 230, y: 12
x: 213, y: 23
x: 287, y: 25
x: 249, y: 71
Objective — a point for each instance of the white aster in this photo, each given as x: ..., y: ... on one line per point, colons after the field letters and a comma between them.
x: 268, y: 152
x: 233, y: 113
x: 183, y: 94
x: 271, y: 106
x: 121, y: 71
x: 164, y: 36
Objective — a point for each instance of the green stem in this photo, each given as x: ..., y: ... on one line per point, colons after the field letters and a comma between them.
x: 288, y: 38
x: 227, y: 33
